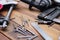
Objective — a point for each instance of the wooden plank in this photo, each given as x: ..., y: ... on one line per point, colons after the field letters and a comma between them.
x: 17, y: 16
x: 22, y: 10
x: 3, y: 37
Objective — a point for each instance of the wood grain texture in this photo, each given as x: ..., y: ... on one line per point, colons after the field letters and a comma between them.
x: 3, y: 37
x: 22, y: 10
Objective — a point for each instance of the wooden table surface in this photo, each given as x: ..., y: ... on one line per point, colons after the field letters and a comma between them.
x: 22, y: 10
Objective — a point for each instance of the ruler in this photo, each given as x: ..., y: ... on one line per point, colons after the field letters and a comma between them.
x: 41, y: 31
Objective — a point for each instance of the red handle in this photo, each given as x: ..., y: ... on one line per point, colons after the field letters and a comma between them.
x: 1, y: 6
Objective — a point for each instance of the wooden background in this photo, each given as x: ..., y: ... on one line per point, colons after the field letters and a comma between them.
x: 22, y: 10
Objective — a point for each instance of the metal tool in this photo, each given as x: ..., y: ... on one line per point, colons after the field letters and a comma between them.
x: 43, y: 22
x: 24, y: 21
x: 31, y: 38
x: 28, y: 37
x: 23, y: 37
x: 56, y: 20
x: 25, y: 32
x: 39, y: 4
x: 4, y: 21
x: 45, y: 13
x: 20, y: 29
x: 57, y: 2
x: 41, y: 31
x: 53, y: 14
x: 8, y: 2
